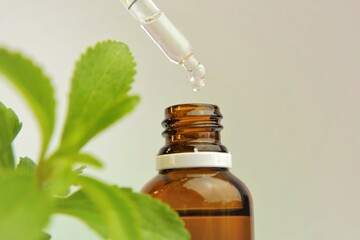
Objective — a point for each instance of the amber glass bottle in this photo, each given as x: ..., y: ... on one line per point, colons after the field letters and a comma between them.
x: 194, y: 177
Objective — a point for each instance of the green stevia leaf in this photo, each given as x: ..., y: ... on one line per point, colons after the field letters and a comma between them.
x: 84, y: 158
x: 98, y: 96
x: 25, y: 209
x: 80, y: 206
x: 15, y: 125
x: 35, y: 87
x: 9, y: 128
x: 167, y: 226
x: 60, y: 174
x: 26, y: 165
x: 45, y: 236
x: 120, y: 218
x: 79, y: 170
x: 59, y: 171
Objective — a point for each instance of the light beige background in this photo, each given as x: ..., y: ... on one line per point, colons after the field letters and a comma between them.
x: 286, y: 75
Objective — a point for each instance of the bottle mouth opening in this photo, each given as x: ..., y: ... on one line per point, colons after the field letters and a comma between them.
x: 192, y: 117
x: 194, y: 104
x: 193, y: 109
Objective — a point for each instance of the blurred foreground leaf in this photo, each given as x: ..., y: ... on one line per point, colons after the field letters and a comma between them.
x: 35, y: 87
x: 24, y: 209
x: 120, y: 216
x: 9, y: 128
x: 155, y: 221
x: 26, y: 165
x: 158, y: 221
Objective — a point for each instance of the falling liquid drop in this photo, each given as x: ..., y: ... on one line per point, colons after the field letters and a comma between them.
x: 197, y: 77
x: 196, y: 71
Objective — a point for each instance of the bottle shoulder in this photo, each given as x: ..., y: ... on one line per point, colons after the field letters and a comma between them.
x: 199, y: 188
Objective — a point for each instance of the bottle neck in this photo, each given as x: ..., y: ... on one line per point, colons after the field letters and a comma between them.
x: 192, y: 128
x: 192, y: 138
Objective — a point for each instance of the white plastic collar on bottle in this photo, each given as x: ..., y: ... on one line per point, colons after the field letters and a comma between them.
x: 193, y: 159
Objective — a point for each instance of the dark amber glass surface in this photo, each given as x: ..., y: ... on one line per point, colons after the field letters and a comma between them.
x: 213, y: 203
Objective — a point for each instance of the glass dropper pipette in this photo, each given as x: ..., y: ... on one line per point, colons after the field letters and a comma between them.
x: 169, y: 39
